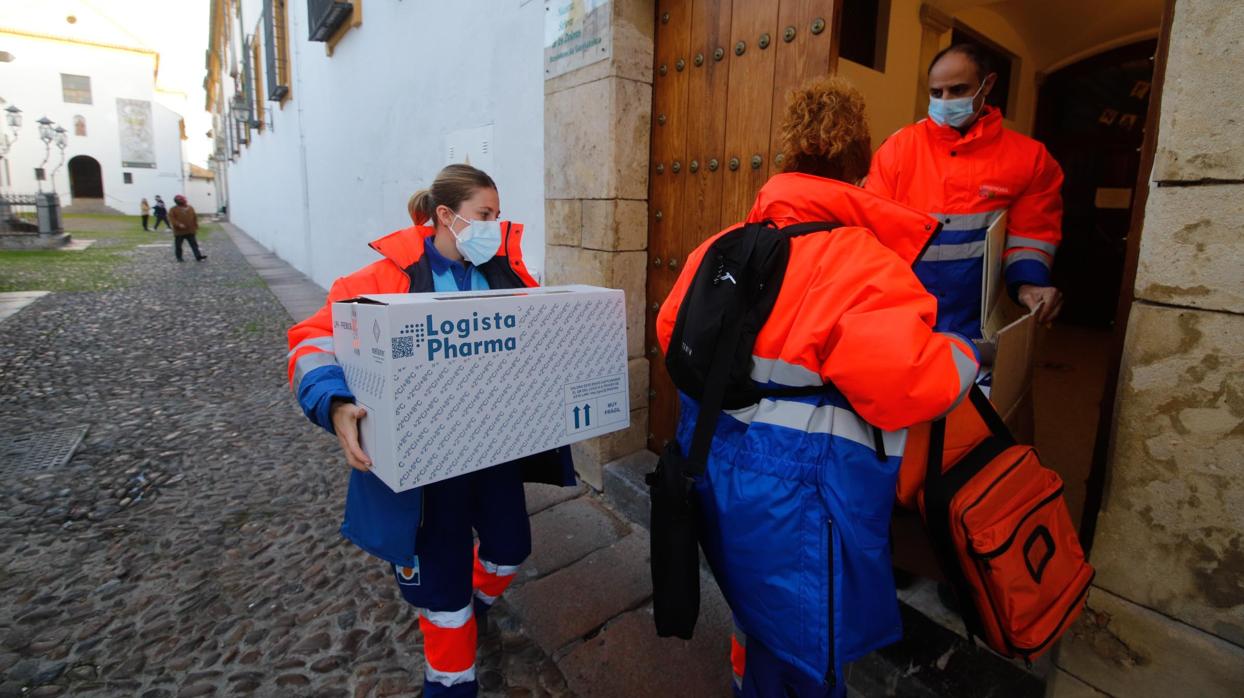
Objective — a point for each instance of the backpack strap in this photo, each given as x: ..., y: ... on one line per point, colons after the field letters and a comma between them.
x: 940, y: 488
x: 718, y: 372
x: 726, y: 349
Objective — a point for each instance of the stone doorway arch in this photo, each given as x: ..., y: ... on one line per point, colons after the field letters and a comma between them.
x: 86, y: 178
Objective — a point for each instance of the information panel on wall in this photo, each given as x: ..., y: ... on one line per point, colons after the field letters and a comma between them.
x: 576, y: 33
x: 137, y: 133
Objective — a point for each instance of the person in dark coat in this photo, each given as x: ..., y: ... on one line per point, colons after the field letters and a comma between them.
x: 161, y: 213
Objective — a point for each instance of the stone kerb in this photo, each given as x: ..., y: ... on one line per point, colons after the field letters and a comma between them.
x: 596, y: 135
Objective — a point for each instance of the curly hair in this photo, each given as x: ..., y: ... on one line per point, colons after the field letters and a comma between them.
x: 825, y: 131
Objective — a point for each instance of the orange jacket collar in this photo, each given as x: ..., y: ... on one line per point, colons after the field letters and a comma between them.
x: 987, y: 128
x: 405, y: 247
x: 794, y: 198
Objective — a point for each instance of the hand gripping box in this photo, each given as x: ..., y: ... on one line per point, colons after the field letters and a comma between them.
x: 457, y: 382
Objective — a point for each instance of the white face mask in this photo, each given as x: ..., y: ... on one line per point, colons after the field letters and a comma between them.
x: 479, y: 241
x: 954, y: 112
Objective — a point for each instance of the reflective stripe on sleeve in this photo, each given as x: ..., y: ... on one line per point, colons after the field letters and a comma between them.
x: 1027, y: 255
x: 321, y: 343
x: 965, y: 365
x: 820, y: 419
x: 310, y: 361
x: 949, y: 253
x: 1013, y: 241
x: 783, y: 373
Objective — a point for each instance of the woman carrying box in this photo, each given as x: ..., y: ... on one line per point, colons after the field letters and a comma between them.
x: 427, y: 534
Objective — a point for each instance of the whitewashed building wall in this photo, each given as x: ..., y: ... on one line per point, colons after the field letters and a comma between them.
x: 32, y: 82
x: 366, y: 127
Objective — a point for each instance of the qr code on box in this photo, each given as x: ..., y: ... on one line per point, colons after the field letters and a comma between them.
x: 403, y: 347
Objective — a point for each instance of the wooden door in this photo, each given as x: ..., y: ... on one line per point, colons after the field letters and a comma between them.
x: 722, y: 72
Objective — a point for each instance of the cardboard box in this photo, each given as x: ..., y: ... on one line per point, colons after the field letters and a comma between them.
x: 457, y: 382
x: 1008, y: 340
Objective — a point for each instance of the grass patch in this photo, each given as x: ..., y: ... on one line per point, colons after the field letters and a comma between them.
x: 93, y: 269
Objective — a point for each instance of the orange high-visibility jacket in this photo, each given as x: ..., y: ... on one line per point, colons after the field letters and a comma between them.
x: 796, y: 500
x: 966, y: 182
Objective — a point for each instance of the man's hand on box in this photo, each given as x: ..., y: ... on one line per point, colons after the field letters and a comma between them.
x: 1045, y: 301
x: 346, y: 416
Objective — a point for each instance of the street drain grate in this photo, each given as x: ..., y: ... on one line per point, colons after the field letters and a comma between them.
x: 40, y: 450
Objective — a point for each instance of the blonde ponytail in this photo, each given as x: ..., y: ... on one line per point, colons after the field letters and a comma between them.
x: 421, y: 206
x: 453, y: 185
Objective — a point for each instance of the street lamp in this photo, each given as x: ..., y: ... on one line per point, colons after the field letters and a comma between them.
x: 62, y: 140
x: 46, y: 134
x: 13, y: 116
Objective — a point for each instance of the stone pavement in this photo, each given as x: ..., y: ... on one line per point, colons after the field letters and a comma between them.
x: 190, y: 547
x: 584, y: 595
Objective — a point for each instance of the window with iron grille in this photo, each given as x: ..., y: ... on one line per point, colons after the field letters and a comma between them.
x: 76, y: 88
x: 248, y: 82
x: 258, y: 89
x: 276, y: 28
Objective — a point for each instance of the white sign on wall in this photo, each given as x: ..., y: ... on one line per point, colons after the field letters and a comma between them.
x: 576, y: 33
x: 137, y: 131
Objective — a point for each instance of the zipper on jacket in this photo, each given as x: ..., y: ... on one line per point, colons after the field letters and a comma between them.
x: 831, y: 677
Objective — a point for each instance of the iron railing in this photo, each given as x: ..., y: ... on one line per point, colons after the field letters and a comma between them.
x: 18, y: 213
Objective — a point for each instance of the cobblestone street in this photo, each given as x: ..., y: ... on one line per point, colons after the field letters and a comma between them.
x: 190, y: 546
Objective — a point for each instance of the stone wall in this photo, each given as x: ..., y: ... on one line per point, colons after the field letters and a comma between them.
x: 1166, y: 616
x: 597, y: 121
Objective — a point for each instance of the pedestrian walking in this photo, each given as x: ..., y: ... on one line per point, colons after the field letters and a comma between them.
x: 794, y: 501
x: 185, y: 225
x: 161, y: 213
x: 426, y: 534
x: 146, y: 210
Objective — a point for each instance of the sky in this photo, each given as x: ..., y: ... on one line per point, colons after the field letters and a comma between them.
x: 176, y: 29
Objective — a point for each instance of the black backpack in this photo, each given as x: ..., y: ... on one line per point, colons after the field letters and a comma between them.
x: 710, y: 359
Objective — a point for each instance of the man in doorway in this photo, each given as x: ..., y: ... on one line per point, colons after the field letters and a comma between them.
x: 964, y: 167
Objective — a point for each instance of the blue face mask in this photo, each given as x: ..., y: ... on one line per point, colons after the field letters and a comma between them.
x: 954, y: 112
x: 479, y: 240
